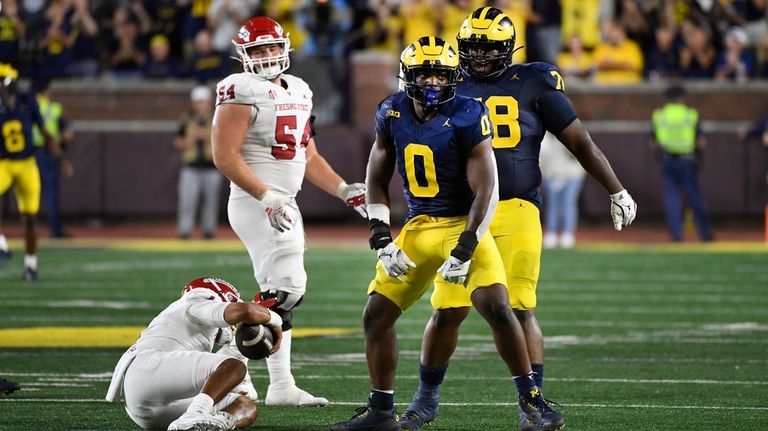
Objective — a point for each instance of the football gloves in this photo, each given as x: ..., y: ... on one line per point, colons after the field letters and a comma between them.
x: 276, y: 208
x: 354, y: 196
x: 394, y: 260
x: 623, y: 209
x: 454, y: 270
x: 223, y: 336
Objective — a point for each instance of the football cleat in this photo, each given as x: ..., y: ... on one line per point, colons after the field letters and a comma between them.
x: 7, y: 387
x: 292, y: 396
x: 367, y: 418
x: 30, y: 274
x: 420, y: 413
x: 539, y: 416
x: 5, y: 255
x: 197, y: 421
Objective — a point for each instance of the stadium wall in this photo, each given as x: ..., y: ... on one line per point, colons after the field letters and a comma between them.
x: 127, y: 167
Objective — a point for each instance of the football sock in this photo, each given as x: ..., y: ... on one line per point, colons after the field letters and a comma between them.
x: 430, y: 380
x: 30, y: 261
x: 382, y: 400
x: 524, y: 384
x: 3, y: 243
x: 279, y: 364
x: 201, y: 403
x: 538, y: 374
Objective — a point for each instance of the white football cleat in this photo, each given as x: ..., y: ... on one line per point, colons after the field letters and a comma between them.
x: 197, y: 421
x: 293, y: 396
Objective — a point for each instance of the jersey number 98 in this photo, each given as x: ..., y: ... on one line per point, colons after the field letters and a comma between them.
x: 504, y: 114
x: 415, y: 153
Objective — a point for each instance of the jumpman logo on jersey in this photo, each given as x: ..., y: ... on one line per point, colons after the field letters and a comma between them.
x: 446, y: 123
x: 514, y: 77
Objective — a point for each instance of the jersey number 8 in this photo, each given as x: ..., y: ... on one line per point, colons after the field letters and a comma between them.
x: 504, y: 114
x: 13, y: 135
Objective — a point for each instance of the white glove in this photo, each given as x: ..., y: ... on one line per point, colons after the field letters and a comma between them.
x: 394, y: 260
x: 276, y: 209
x: 353, y: 195
x: 623, y: 209
x: 454, y: 270
x: 224, y: 336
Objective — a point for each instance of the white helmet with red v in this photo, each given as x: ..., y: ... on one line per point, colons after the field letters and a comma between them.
x: 216, y: 289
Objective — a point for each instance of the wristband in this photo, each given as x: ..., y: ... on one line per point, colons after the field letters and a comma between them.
x: 466, y: 246
x: 274, y: 319
x: 380, y: 234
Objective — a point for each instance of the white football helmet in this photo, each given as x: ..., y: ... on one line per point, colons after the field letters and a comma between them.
x: 262, y: 31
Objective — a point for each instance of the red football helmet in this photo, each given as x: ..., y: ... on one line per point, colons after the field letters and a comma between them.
x: 223, y: 289
x: 262, y: 31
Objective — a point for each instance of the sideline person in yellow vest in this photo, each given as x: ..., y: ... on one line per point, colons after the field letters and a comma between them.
x: 50, y: 168
x: 677, y: 135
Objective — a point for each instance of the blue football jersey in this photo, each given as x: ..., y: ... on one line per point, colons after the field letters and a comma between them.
x: 16, y: 128
x: 514, y: 102
x: 432, y: 155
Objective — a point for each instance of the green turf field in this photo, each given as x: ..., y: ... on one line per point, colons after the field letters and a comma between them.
x: 637, y: 338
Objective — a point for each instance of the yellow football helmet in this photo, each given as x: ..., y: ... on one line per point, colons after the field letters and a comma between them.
x: 429, y: 53
x: 486, y: 36
x: 8, y: 77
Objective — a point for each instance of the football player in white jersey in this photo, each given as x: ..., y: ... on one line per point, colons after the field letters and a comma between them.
x: 171, y: 378
x: 262, y: 141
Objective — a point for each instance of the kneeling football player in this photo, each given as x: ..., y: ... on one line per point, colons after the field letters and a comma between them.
x: 170, y: 377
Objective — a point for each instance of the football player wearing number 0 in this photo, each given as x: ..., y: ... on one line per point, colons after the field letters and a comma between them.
x: 440, y: 144
x: 524, y: 101
x: 171, y: 378
x: 262, y: 141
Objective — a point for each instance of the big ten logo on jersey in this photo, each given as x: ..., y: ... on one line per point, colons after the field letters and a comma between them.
x: 287, y: 128
x: 393, y: 113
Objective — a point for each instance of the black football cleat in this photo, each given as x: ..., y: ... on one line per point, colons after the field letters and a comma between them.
x: 8, y: 387
x: 30, y: 274
x: 420, y: 413
x: 539, y: 416
x: 367, y: 418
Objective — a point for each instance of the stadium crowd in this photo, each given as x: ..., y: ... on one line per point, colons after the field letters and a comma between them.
x: 608, y: 41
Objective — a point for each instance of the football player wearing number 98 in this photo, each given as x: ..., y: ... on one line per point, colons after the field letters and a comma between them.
x: 524, y: 101
x: 440, y: 144
x: 262, y: 141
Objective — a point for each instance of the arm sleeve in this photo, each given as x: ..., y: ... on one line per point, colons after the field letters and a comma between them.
x: 204, y: 311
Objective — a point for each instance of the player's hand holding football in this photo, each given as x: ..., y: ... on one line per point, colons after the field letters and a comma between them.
x: 454, y: 271
x: 394, y: 260
x: 276, y: 208
x: 623, y: 209
x: 354, y: 196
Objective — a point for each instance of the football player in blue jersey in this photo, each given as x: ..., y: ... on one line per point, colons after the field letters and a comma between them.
x: 524, y: 101
x: 19, y: 113
x: 440, y: 144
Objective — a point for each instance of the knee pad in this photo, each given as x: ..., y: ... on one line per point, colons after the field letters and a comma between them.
x: 282, y: 303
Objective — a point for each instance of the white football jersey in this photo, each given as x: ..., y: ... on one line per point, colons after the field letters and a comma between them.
x: 189, y: 323
x: 278, y: 128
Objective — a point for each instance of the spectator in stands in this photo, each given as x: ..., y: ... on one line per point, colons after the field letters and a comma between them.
x: 382, y: 31
x: 224, y: 19
x: 160, y: 64
x: 51, y: 168
x: 637, y: 22
x: 56, y: 43
x: 736, y: 62
x: 418, y: 19
x: 563, y: 177
x: 166, y: 18
x: 85, y: 46
x: 206, y: 64
x: 677, y: 137
x: 581, y: 17
x: 12, y: 31
x: 126, y: 56
x: 663, y: 60
x: 544, y: 27
x: 576, y: 63
x: 697, y: 56
x: 195, y: 20
x: 199, y: 176
x: 618, y: 59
